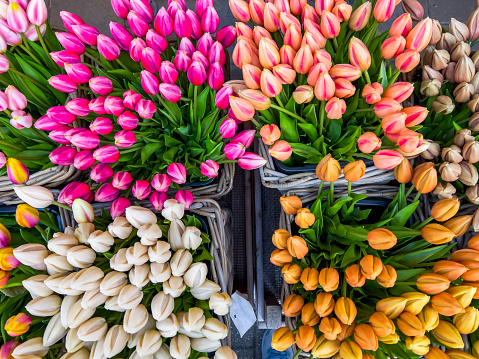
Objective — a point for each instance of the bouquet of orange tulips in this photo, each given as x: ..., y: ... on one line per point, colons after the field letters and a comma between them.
x: 369, y: 288
x: 322, y: 80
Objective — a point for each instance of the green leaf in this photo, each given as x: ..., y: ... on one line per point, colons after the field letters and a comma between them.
x: 353, y: 254
x: 201, y: 102
x: 310, y: 130
x: 383, y: 76
x: 401, y: 218
x: 288, y: 128
x: 148, y: 150
x: 304, y: 150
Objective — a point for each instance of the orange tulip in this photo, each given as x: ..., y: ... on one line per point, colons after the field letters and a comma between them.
x: 345, y: 71
x: 449, y: 269
x: 371, y: 266
x: 342, y: 10
x: 309, y: 315
x: 354, y: 276
x: 252, y: 76
x: 360, y: 17
x: 436, y: 353
x: 303, y: 61
x: 335, y: 108
x: 407, y: 61
x: 445, y: 209
x: 242, y: 108
x: 387, y: 159
x: 303, y: 94
x: 270, y: 84
x: 394, y: 123
x: 384, y: 9
x: 471, y: 275
x: 328, y: 169
x: 268, y: 54
x: 283, y: 338
x: 463, y: 255
x: 324, y: 304
x: 365, y: 337
x: 243, y: 30
x: 393, y: 47
x: 325, y: 87
x: 445, y: 304
x: 309, y: 278
x: 304, y: 218
x: 315, y: 43
x: 291, y: 273
x: 344, y: 88
x: 281, y: 150
x: 463, y: 294
x: 258, y: 33
x: 350, y: 350
x: 425, y: 177
x: 432, y: 283
x: 381, y: 239
x: 429, y: 317
x: 240, y: 10
x: 346, y: 331
x: 420, y: 36
x: 309, y: 13
x: 418, y: 345
x: 400, y: 91
x: 392, y: 307
x: 323, y: 57
x: 369, y: 142
x: 293, y: 37
x: 297, y: 6
x: 280, y: 238
x: 359, y: 55
x: 329, y: 279
x: 459, y: 225
x: 270, y: 134
x: 387, y: 277
x: 322, y: 5
x: 473, y: 243
x: 285, y: 73
x: 437, y: 234
x: 280, y: 257
x: 330, y: 328
x: 387, y: 107
x: 325, y: 348
x: 401, y: 26
x: 415, y: 115
x: 271, y: 17
x: 409, y: 141
x: 287, y: 55
x: 259, y: 100
x: 305, y: 338
x: 243, y: 53
x: 314, y: 72
x: 291, y: 204
x: 467, y: 322
x: 403, y: 172
x: 372, y: 93
x: 256, y: 10
x: 410, y: 325
x: 330, y: 24
x: 447, y: 334
x: 459, y: 354
x: 297, y: 247
x: 382, y: 325
x: 345, y: 310
x: 293, y: 305
x: 285, y: 19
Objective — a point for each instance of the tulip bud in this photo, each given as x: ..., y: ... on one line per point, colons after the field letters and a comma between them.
x: 17, y: 325
x: 407, y: 61
x: 463, y: 92
x: 446, y: 333
x: 432, y: 283
x: 81, y: 256
x: 345, y: 310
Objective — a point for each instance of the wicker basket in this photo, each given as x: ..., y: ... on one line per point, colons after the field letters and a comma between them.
x: 220, y: 187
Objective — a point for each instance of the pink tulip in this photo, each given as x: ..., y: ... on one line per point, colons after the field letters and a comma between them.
x: 86, y: 140
x: 69, y: 42
x: 170, y: 92
x: 3, y: 161
x: 161, y: 182
x: 156, y: 41
x: 234, y: 150
x: 63, y: 83
x: 143, y: 9
x: 141, y: 189
x: 173, y: 7
x: 31, y: 33
x: 245, y: 137
x: 73, y: 191
x: 138, y: 25
x: 127, y: 120
x: 119, y: 206
x: 210, y: 20
x: 216, y: 76
x: 78, y: 106
x: 136, y: 49
x: 45, y: 123
x: 25, y: 216
x: 194, y: 21
x: 163, y: 23
x: 83, y: 160
x: 251, y: 161
x: 145, y: 109
x: 197, y: 73
x: 86, y: 33
x: 10, y: 37
x: 228, y: 128
x: 21, y: 120
x: 204, y: 44
x: 121, y: 35
x: 121, y: 8
x: 114, y: 105
x: 17, y: 18
x: 130, y: 98
x: 122, y: 180
x: 16, y: 100
x: 149, y: 83
x: 184, y: 197
x: 202, y: 5
x: 157, y: 200
x: 182, y: 61
x: 222, y: 99
x: 168, y: 72
x: 108, y: 48
x: 73, y: 131
x: 101, y: 126
x: 37, y: 12
x: 61, y: 115
x: 226, y: 36
x: 209, y: 169
x: 217, y: 54
x: 198, y: 56
x: 187, y: 46
x: 106, y: 193
x: 58, y: 135
x: 101, y: 173
x: 7, y: 349
x: 4, y: 64
x: 97, y: 105
x: 177, y: 173
x: 101, y: 85
x: 3, y: 101
x: 150, y: 60
x: 125, y: 139
x: 182, y: 25
x: 79, y: 73
x: 68, y: 19
x: 387, y: 159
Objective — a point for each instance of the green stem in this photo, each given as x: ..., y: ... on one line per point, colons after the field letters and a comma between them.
x: 288, y: 113
x: 195, y: 98
x: 185, y: 99
x: 405, y: 283
x: 363, y: 251
x: 349, y: 188
x: 42, y: 42
x: 331, y: 193
x: 410, y: 191
x: 212, y: 121
x: 394, y: 78
x: 320, y: 190
x: 94, y: 59
x: 167, y: 109
x: 122, y: 64
x: 366, y: 75
x: 424, y: 223
x: 10, y: 145
x: 335, y: 43
x: 321, y: 118
x: 417, y: 196
x: 369, y: 109
x: 24, y: 48
x: 42, y: 232
x: 296, y: 356
x: 344, y: 288
x: 279, y: 101
x: 30, y: 79
x: 62, y: 205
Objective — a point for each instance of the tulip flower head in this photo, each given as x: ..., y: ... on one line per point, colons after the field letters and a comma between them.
x: 17, y: 325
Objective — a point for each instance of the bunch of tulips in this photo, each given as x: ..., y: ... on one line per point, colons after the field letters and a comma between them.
x: 382, y: 289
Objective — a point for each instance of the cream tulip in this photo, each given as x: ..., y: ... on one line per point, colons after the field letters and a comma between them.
x: 173, y: 210
x: 195, y: 275
x: 83, y: 353
x: 160, y: 252
x: 112, y: 283
x: 33, y: 347
x: 88, y: 279
x: 159, y: 272
x: 225, y: 353
x: 82, y: 211
x: 32, y: 255
x: 53, y: 282
x: 180, y: 347
x: 35, y: 196
x: 72, y: 343
x: 135, y: 319
x: 83, y: 231
x: 169, y: 326
x: 68, y: 230
x: 97, y: 350
x: 220, y: 303
x: 81, y: 256
x: 36, y: 286
x: 119, y: 262
x: 194, y: 319
x: 149, y: 234
x: 180, y: 262
x: 92, y: 330
x: 57, y: 264
x: 214, y: 329
x: 162, y: 306
x: 175, y: 286
x: 66, y: 285
x: 175, y: 232
x: 112, y: 305
x: 129, y: 297
x: 137, y: 254
x: 205, y: 345
x: 120, y: 228
x: 100, y: 241
x: 206, y: 290
x: 77, y: 315
x: 44, y: 306
x: 139, y: 216
x: 54, y: 331
x: 139, y: 275
x: 149, y: 343
x: 93, y: 298
x: 62, y: 243
x: 163, y: 353
x: 134, y: 338
x: 115, y: 341
x: 191, y: 238
x: 67, y: 303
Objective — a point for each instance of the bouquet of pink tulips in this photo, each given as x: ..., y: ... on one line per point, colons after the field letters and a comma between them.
x: 322, y: 80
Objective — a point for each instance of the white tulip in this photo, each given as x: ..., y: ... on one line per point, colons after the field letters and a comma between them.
x: 135, y: 355
x: 139, y: 216
x: 54, y: 331
x: 57, y: 264
x: 69, y: 230
x: 81, y: 256
x: 134, y: 338
x: 163, y: 353
x: 100, y: 241
x: 44, y: 306
x: 214, y: 329
x: 149, y: 234
x: 139, y: 275
x: 83, y: 231
x: 92, y: 330
x: 175, y: 232
x: 180, y: 347
x: 93, y: 298
x: 149, y: 343
x: 32, y: 255
x: 112, y: 305
x: 62, y: 243
x: 35, y: 196
x: 82, y: 211
x: 180, y: 262
x: 32, y: 347
x: 194, y: 319
x: 191, y: 238
x: 168, y: 327
x: 119, y: 262
x: 137, y: 254
x: 175, y: 286
x: 115, y: 341
x: 205, y: 291
x: 135, y: 319
x: 173, y: 210
x: 36, y: 286
x: 97, y: 350
x: 220, y: 303
x: 113, y: 282
x: 225, y: 353
x: 162, y: 306
x: 160, y: 252
x: 205, y: 345
x: 83, y: 353
x: 88, y: 279
x: 77, y: 315
x: 195, y: 275
x: 159, y: 272
x: 120, y: 228
x: 72, y: 343
x: 129, y: 297
x: 182, y: 330
x: 53, y: 282
x: 67, y: 303
x: 66, y: 285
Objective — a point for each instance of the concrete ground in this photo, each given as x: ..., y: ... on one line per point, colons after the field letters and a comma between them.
x: 99, y: 14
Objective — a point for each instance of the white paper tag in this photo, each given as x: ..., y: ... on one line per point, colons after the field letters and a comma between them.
x: 242, y: 313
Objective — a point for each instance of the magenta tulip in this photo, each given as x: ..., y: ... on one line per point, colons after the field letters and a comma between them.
x: 73, y: 131
x: 83, y: 160
x: 101, y: 126
x: 70, y: 19
x: 121, y: 35
x: 197, y: 73
x: 232, y: 115
x: 58, y: 135
x: 11, y: 37
x: 228, y: 128
x: 86, y: 140
x: 209, y: 169
x: 141, y: 189
x: 101, y: 85
x: 187, y: 46
x: 184, y: 197
x: 37, y: 12
x: 234, y: 150
x: 226, y: 36
x: 121, y: 8
x: 106, y: 193
x: 136, y: 48
x: 210, y: 20
x: 97, y: 105
x: 78, y: 106
x: 61, y: 115
x: 3, y: 101
x: 4, y: 64
x: 170, y: 92
x: 143, y: 9
x: 145, y: 109
x: 127, y: 120
x: 119, y: 206
x: 194, y: 21
x: 161, y: 182
x: 251, y: 161
x: 222, y: 99
x: 246, y: 137
x: 16, y: 100
x: 202, y: 5
x: 216, y: 76
x: 174, y: 6
x: 73, y: 191
x: 130, y: 98
x: 108, y: 48
x: 138, y: 25
x: 204, y: 44
x: 122, y: 180
x: 163, y: 23
x: 17, y: 18
x: 79, y: 73
x: 182, y: 61
x: 177, y: 173
x: 182, y: 25
x: 217, y: 54
x: 157, y: 200
x: 198, y: 56
x: 114, y: 105
x: 125, y: 139
x: 20, y: 119
x: 168, y: 72
x: 69, y: 42
x: 101, y: 173
x: 150, y: 60
x: 86, y: 33
x: 63, y: 83
x: 3, y: 161
x: 156, y: 41
x: 45, y: 123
